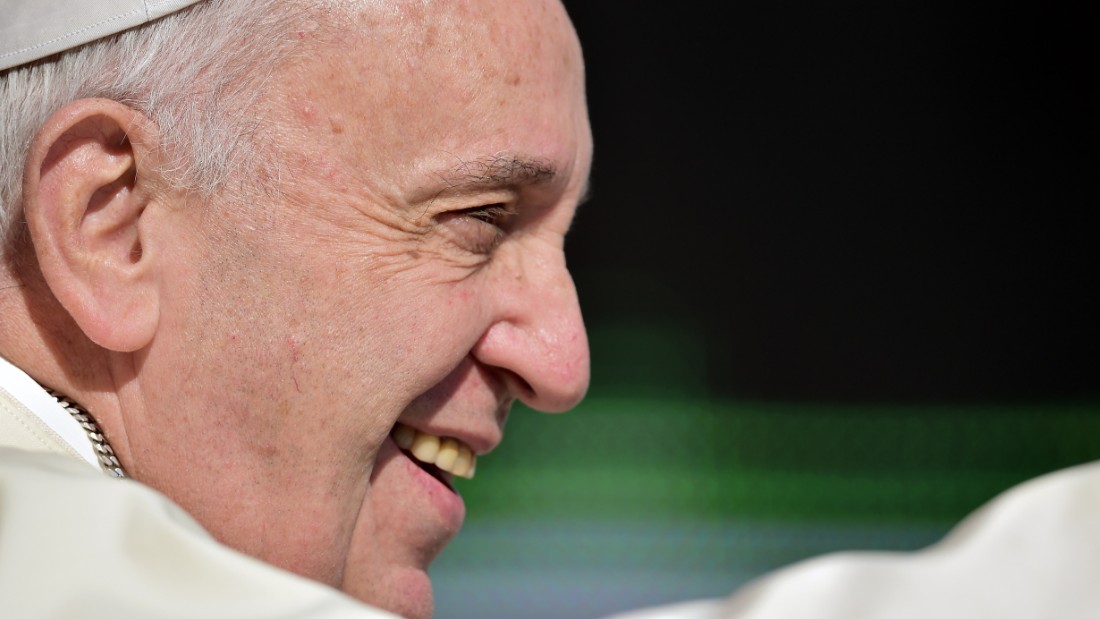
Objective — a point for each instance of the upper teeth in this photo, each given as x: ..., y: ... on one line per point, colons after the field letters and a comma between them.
x: 448, y: 454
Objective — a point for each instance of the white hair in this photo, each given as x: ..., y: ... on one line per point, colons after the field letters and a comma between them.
x: 196, y: 74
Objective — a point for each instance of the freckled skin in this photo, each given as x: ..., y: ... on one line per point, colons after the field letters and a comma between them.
x: 310, y: 319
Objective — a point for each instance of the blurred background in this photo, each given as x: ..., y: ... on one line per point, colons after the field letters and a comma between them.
x: 839, y: 275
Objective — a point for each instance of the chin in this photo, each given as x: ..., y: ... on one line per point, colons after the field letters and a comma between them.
x: 409, y: 517
x: 408, y: 594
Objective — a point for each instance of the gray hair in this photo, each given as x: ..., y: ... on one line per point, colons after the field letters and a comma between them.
x: 197, y: 74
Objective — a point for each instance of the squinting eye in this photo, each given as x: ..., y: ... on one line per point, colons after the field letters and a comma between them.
x: 494, y: 214
x: 479, y: 229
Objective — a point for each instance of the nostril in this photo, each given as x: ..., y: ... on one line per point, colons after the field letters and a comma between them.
x: 545, y: 398
x: 523, y: 389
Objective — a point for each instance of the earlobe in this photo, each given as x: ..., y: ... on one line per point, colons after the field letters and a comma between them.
x: 86, y: 188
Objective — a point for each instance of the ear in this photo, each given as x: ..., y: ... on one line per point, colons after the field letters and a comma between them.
x: 86, y: 187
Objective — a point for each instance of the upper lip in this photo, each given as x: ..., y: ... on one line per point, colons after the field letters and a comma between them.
x: 481, y: 439
x: 477, y: 419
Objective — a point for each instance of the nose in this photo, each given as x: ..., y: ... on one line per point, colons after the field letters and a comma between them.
x: 537, y: 338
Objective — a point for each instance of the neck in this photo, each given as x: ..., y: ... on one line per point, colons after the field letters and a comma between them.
x: 39, y: 337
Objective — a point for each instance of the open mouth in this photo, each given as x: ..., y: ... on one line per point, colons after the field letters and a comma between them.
x: 443, y: 458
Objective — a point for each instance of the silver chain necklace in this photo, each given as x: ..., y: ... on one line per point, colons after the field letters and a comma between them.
x: 103, y: 451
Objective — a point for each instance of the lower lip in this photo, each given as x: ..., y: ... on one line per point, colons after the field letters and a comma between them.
x: 444, y: 500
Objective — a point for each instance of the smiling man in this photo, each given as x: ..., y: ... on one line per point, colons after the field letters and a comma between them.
x: 286, y: 263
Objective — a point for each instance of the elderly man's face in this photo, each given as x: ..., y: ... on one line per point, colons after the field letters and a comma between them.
x: 405, y: 269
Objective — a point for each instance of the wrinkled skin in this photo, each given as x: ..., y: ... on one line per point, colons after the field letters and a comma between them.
x: 379, y: 283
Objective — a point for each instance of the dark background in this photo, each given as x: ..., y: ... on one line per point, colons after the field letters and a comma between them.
x: 837, y: 272
x: 847, y: 202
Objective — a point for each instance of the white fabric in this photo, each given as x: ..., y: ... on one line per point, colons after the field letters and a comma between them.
x: 22, y: 389
x: 1032, y: 553
x: 699, y: 609
x: 33, y: 29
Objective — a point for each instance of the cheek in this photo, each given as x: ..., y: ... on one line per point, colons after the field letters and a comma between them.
x: 401, y: 333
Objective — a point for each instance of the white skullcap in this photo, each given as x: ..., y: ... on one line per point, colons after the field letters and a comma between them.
x: 33, y: 29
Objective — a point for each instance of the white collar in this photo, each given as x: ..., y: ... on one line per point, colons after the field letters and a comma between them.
x: 29, y: 393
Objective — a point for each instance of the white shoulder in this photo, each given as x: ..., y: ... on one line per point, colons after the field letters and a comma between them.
x: 1032, y: 552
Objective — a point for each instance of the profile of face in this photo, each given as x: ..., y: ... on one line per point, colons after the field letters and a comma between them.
x: 405, y: 273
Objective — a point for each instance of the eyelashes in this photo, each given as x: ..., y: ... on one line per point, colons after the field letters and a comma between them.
x: 479, y: 229
x: 493, y: 214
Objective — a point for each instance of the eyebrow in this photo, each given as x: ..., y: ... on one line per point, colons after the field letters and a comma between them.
x: 500, y: 171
